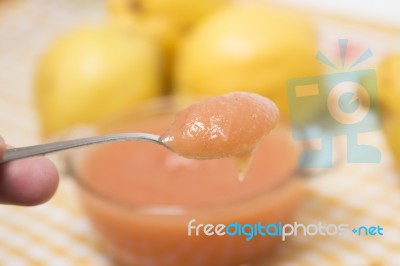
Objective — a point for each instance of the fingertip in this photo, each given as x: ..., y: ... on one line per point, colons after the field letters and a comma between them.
x: 28, y: 182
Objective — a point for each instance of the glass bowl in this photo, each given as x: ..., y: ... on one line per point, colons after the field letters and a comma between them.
x: 152, y: 207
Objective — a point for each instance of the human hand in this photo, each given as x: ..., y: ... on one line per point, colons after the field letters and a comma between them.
x: 27, y: 182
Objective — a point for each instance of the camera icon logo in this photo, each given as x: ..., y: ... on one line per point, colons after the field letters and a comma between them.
x: 340, y: 96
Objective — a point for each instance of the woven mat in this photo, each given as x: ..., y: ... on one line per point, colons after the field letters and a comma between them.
x: 58, y: 232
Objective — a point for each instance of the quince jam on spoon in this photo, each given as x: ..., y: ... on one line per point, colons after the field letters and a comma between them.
x: 229, y: 125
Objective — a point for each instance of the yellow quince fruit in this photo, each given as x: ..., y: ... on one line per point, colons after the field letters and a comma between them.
x: 182, y: 13
x: 387, y: 73
x: 249, y: 47
x: 93, y: 72
x: 166, y: 21
x: 389, y: 83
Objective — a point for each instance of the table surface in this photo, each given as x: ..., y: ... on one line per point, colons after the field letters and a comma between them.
x: 58, y: 232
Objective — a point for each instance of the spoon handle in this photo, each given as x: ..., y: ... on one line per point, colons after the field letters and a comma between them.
x: 41, y: 149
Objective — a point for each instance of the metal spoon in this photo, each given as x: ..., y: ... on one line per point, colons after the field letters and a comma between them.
x: 41, y: 149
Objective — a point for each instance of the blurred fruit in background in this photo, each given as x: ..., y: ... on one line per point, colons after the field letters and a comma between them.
x: 391, y: 129
x: 389, y: 83
x: 92, y: 72
x: 204, y: 47
x: 181, y: 13
x: 250, y: 47
x: 166, y: 21
x: 388, y: 77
